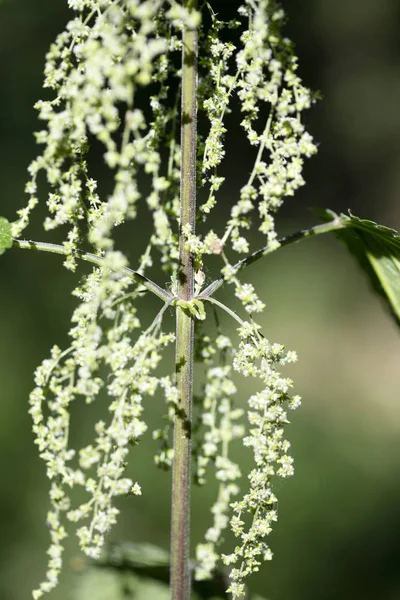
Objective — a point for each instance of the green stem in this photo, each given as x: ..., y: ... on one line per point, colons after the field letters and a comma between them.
x: 290, y: 239
x: 95, y: 260
x: 181, y: 477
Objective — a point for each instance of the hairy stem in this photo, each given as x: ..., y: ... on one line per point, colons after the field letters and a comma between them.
x: 181, y: 478
x: 95, y: 260
x: 290, y: 239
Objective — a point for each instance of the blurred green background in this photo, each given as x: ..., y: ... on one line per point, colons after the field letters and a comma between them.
x: 339, y: 526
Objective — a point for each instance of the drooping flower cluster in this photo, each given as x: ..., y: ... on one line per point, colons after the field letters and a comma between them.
x: 116, y: 85
x: 78, y: 373
x: 109, y: 53
x: 267, y: 416
x: 272, y: 99
x: 219, y: 420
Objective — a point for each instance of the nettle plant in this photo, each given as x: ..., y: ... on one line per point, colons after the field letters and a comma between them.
x: 133, y: 77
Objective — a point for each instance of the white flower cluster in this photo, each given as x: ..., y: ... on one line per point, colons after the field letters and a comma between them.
x: 264, y: 76
x: 96, y: 67
x: 74, y: 374
x: 267, y: 416
x: 215, y: 92
x: 267, y: 76
x: 219, y: 421
x: 107, y: 55
x: 261, y: 73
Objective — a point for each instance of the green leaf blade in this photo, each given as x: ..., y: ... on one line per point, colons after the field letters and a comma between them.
x: 6, y: 240
x: 377, y: 251
x: 148, y: 562
x: 387, y: 269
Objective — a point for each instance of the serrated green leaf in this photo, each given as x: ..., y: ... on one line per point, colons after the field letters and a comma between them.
x: 141, y: 570
x: 5, y: 235
x: 101, y: 585
x: 377, y: 250
x: 110, y: 584
x: 139, y: 556
x: 152, y: 563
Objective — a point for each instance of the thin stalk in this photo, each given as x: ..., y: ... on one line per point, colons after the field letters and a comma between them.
x: 290, y: 239
x: 181, y: 477
x: 95, y: 260
x: 230, y: 312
